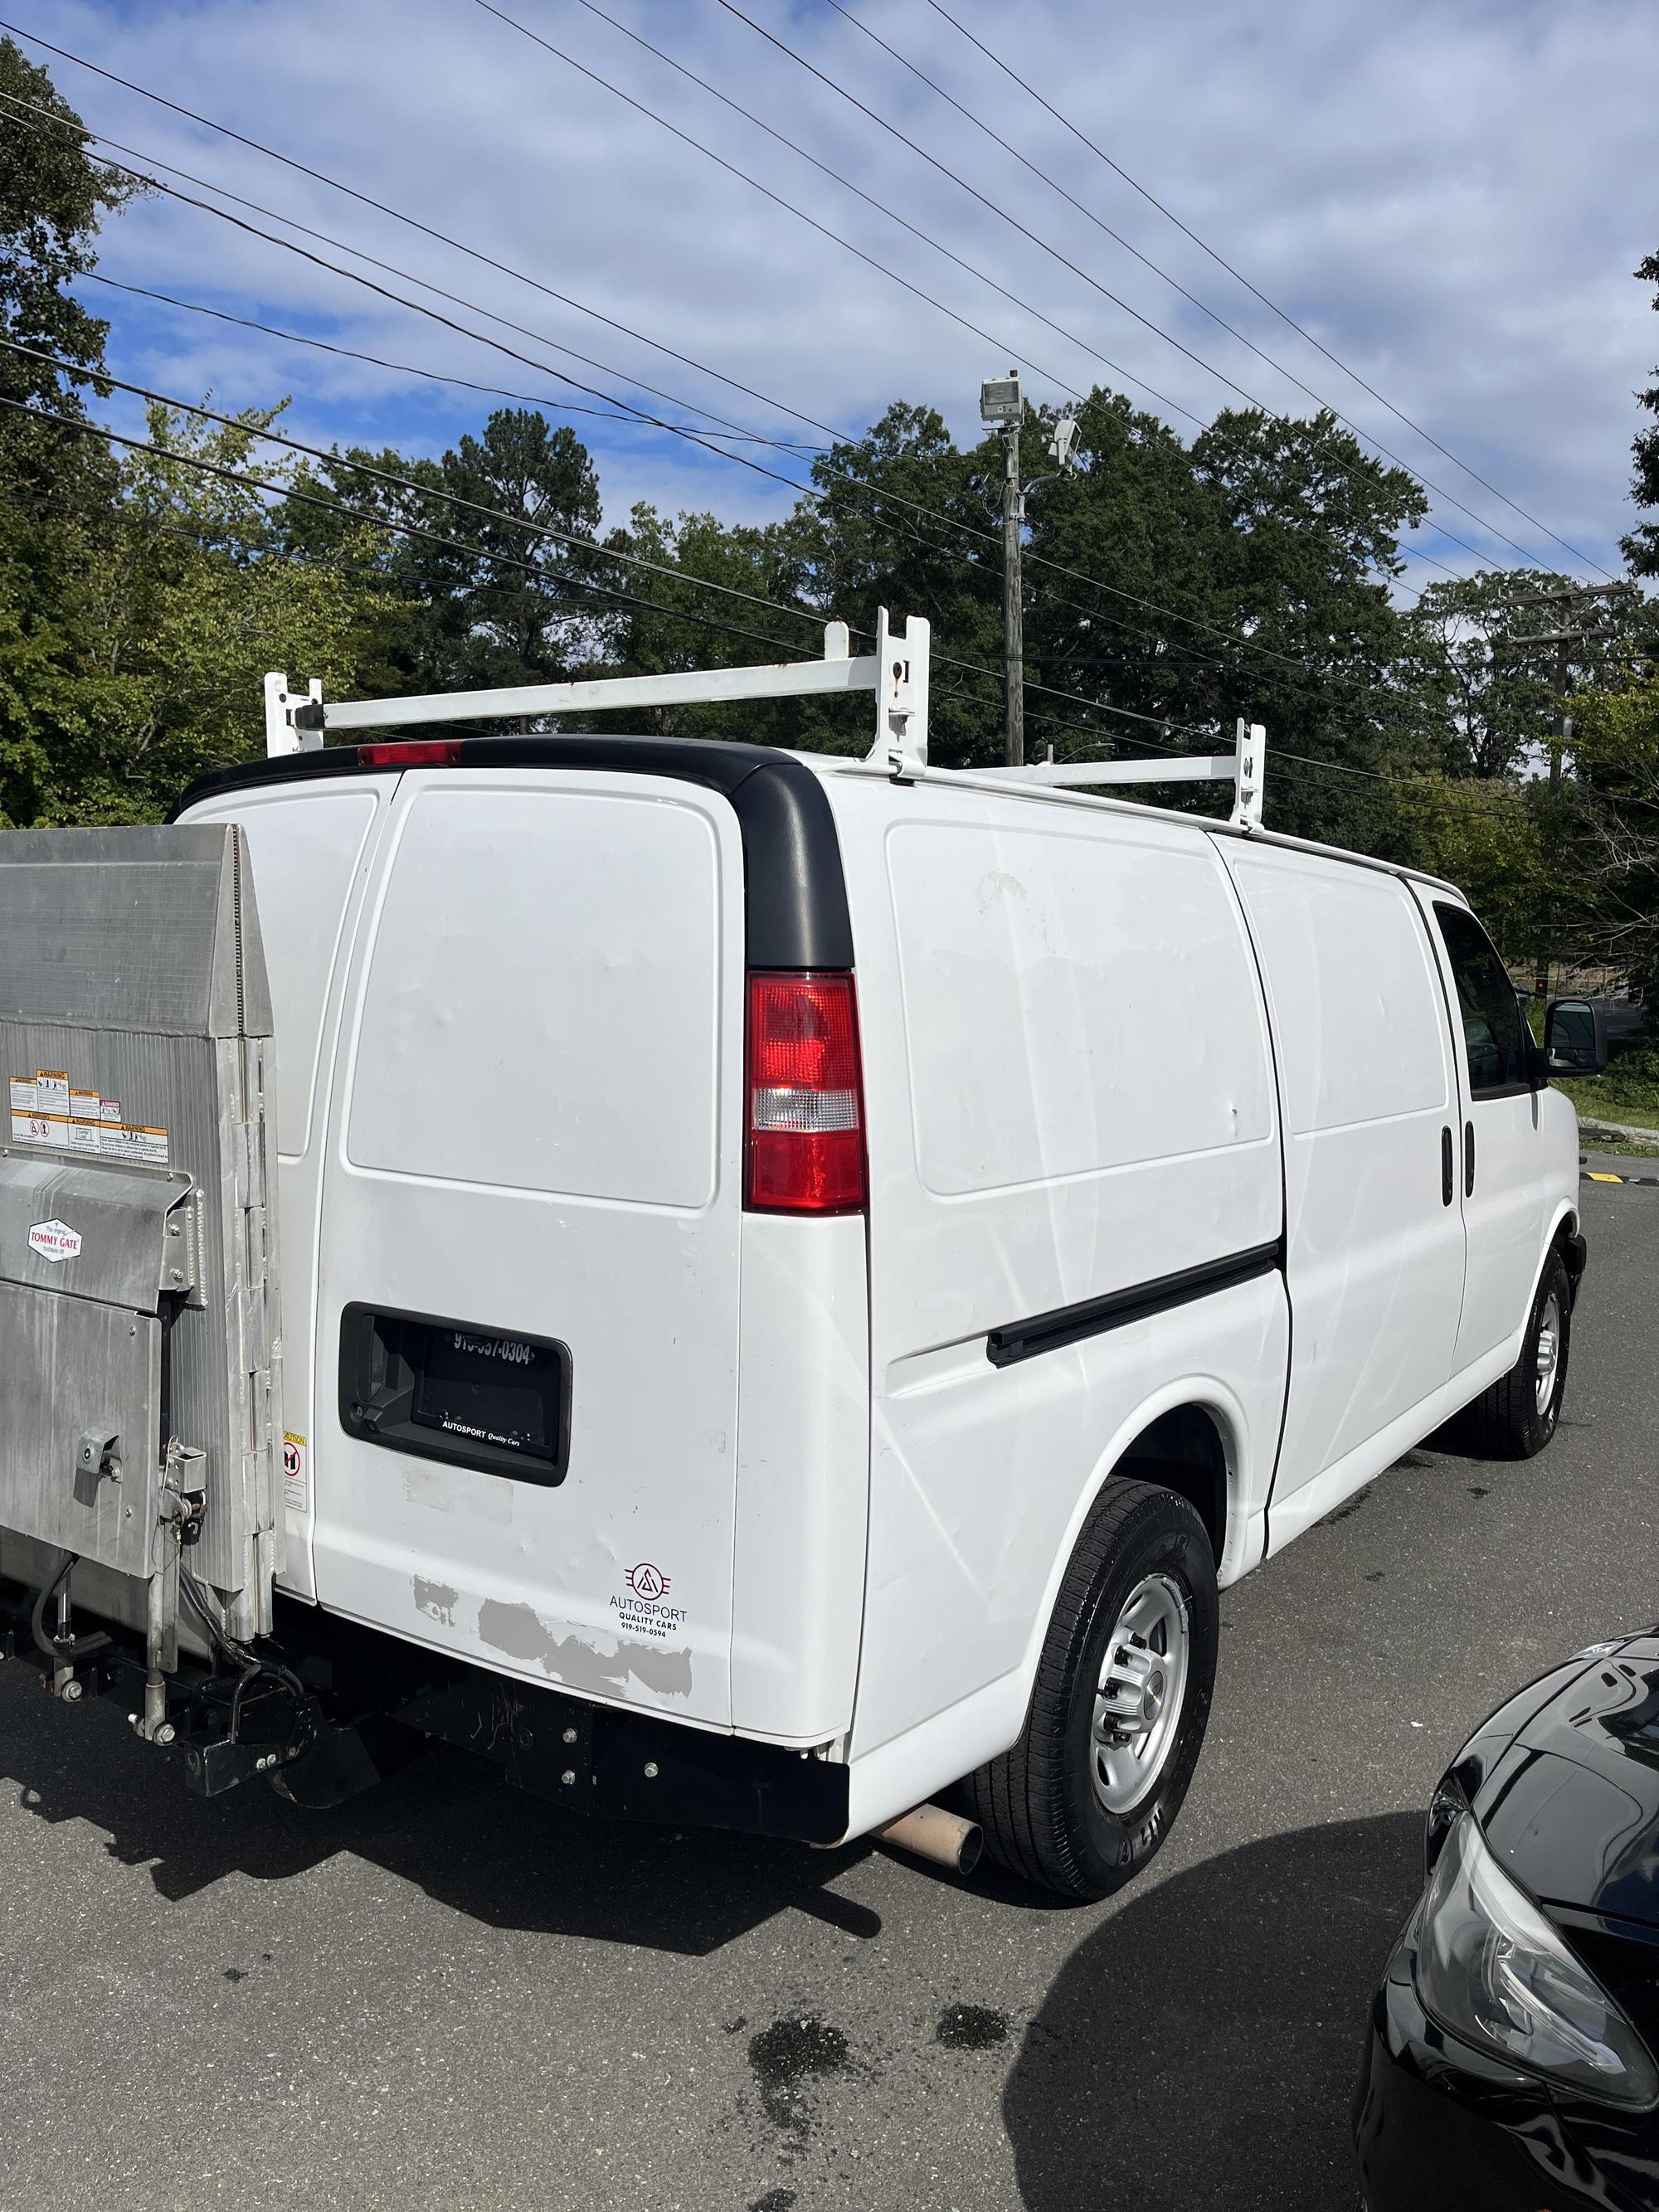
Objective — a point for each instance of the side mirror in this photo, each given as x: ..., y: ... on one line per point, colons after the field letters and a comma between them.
x: 1575, y: 1037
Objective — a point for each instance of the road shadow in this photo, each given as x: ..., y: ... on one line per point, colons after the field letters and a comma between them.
x: 1198, y: 2052
x: 447, y: 1823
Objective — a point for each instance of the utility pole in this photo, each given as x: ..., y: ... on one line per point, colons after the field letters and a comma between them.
x: 1002, y: 406
x: 1563, y: 640
x: 1013, y: 604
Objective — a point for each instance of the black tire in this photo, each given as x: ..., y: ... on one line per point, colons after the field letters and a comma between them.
x: 1038, y: 1804
x: 1506, y: 1422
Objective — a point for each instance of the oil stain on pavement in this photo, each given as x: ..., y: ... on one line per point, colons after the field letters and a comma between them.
x: 787, y: 2057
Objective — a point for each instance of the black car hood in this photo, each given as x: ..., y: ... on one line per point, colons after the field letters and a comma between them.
x: 1564, y: 1783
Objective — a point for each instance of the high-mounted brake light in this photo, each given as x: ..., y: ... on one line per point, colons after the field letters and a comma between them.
x: 805, y: 1132
x: 414, y: 752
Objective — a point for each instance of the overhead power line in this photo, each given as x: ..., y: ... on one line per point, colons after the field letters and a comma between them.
x: 412, y: 222
x: 880, y: 497
x: 501, y: 516
x: 81, y: 425
x: 641, y: 106
x: 1208, y: 660
x: 308, y: 498
x: 1084, y: 344
x: 493, y: 515
x: 369, y: 470
x: 1237, y: 274
x: 1128, y: 245
x: 848, y: 184
x: 1065, y: 261
x: 412, y: 368
x: 642, y: 415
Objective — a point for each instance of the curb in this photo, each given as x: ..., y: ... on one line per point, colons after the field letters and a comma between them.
x: 1602, y: 1175
x: 1622, y: 1133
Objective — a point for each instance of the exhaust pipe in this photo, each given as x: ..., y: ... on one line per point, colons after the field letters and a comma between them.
x: 931, y: 1833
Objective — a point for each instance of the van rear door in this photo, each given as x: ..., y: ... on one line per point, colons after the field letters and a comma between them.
x: 528, y: 1274
x: 311, y: 847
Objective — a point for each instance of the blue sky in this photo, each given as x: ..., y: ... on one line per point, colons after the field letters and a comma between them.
x: 1451, y: 198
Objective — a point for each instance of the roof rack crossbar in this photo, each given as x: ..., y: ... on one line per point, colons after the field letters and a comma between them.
x: 298, y: 721
x: 1242, y: 768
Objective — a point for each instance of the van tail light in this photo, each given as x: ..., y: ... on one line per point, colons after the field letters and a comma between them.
x: 806, y: 1135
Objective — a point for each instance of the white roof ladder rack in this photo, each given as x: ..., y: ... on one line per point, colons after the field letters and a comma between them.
x: 298, y: 721
x: 897, y: 671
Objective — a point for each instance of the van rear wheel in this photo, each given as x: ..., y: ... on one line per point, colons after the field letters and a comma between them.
x: 1082, y: 1799
x: 1517, y: 1416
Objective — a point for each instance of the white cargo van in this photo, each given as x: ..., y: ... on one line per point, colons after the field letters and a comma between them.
x: 802, y: 1276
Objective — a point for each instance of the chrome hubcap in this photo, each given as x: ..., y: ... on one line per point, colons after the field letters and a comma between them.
x: 1549, y: 1352
x: 1143, y: 1687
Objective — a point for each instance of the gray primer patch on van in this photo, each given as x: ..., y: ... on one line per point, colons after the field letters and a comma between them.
x: 436, y: 1599
x: 520, y: 1631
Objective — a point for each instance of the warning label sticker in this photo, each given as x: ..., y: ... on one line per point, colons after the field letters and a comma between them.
x: 85, y: 1132
x: 296, y: 1495
x: 47, y: 1108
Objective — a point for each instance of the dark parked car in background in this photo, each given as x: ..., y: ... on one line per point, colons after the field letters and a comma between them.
x: 1510, y: 2065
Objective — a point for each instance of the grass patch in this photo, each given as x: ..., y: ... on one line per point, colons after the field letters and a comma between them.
x: 1629, y: 1092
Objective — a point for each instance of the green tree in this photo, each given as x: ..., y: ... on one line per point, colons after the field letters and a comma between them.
x: 1244, y: 575
x: 52, y: 197
x: 501, y: 602
x: 1491, y: 694
x: 688, y: 626
x: 862, y: 545
x: 1501, y: 842
x: 179, y: 600
x: 1642, y: 546
x: 55, y: 481
x: 1614, y: 879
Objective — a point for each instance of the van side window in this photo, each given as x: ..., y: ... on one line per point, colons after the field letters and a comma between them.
x: 1494, y: 1033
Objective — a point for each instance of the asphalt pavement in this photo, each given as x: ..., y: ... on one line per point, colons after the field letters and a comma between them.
x: 450, y: 1995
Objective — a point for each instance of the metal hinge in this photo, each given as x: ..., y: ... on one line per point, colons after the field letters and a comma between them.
x: 248, y: 1165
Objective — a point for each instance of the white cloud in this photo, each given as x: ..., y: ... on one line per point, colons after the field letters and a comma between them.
x: 1450, y: 200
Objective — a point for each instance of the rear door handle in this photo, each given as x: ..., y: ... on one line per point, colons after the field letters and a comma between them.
x: 1468, y: 1159
x: 1446, y: 1185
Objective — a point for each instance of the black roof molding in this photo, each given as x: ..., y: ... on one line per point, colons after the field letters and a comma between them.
x: 795, y: 910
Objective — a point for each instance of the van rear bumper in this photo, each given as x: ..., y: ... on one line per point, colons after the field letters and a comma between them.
x: 626, y: 1766
x: 336, y: 1707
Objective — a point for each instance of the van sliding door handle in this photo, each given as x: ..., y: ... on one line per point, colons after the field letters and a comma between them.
x: 1446, y: 1185
x: 1468, y: 1159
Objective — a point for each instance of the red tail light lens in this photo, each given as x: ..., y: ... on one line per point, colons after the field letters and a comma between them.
x: 412, y: 752
x: 805, y: 1137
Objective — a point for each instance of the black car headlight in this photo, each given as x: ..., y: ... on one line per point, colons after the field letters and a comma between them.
x: 1491, y: 1969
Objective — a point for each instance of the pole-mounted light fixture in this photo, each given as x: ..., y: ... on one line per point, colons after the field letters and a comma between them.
x: 1001, y: 401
